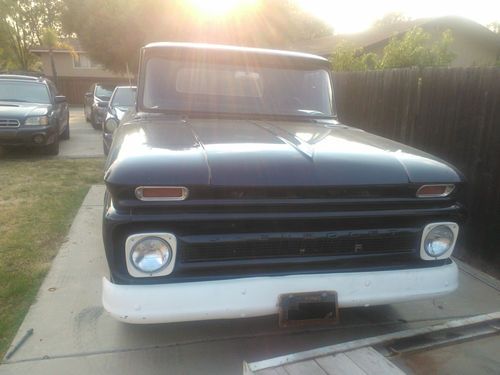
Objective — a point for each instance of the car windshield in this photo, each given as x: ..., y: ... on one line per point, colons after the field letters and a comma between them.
x: 30, y: 92
x: 124, y: 97
x: 172, y: 85
x: 104, y: 91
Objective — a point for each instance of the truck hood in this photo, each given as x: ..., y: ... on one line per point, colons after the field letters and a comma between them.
x: 19, y: 111
x: 223, y: 152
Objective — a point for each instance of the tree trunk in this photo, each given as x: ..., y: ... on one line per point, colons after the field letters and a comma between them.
x: 53, y: 66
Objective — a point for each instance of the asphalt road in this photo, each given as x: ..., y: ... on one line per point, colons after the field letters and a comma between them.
x: 72, y: 333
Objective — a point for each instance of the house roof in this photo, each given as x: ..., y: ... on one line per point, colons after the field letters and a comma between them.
x: 73, y: 42
x: 20, y: 77
x: 325, y: 46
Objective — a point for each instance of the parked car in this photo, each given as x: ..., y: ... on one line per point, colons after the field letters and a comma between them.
x: 232, y: 191
x: 122, y: 100
x: 95, y: 103
x: 32, y: 113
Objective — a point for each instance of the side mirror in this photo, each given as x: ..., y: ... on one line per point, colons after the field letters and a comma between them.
x: 60, y: 99
x: 102, y: 104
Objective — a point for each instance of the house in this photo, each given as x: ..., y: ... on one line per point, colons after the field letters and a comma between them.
x: 75, y: 69
x: 473, y: 44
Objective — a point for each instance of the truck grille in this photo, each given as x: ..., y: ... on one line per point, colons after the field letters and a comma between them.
x: 9, y: 123
x: 281, y: 237
x: 283, y: 245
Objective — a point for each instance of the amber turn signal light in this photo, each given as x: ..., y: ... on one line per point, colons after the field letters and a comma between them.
x: 161, y: 193
x: 434, y: 191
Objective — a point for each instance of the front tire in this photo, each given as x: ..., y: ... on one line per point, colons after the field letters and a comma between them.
x: 53, y: 148
x: 94, y: 122
x: 85, y: 113
x: 65, y: 133
x: 105, y: 148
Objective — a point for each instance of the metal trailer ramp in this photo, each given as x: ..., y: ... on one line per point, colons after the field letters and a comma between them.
x: 370, y: 355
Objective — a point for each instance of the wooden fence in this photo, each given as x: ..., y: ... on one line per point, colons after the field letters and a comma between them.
x: 74, y: 88
x: 453, y: 113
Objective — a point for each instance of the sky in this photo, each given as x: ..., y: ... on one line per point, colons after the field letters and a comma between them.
x: 350, y: 16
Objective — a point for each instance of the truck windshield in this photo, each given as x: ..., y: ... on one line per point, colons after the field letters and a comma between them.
x: 172, y: 85
x: 11, y: 91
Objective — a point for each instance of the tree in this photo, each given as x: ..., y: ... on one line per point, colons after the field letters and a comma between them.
x: 414, y: 49
x: 6, y: 53
x: 495, y: 27
x: 390, y: 19
x: 346, y: 57
x: 113, y: 31
x: 21, y: 25
x: 51, y: 41
x: 305, y: 26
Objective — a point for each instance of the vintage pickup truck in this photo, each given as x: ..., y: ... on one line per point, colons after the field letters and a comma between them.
x: 232, y: 191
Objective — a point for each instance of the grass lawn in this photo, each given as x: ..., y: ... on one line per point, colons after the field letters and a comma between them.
x: 38, y: 200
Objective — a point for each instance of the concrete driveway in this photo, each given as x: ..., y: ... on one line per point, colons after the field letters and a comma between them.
x: 84, y: 140
x: 72, y: 333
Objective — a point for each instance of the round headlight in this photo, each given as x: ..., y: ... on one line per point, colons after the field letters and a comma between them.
x: 110, y: 125
x: 438, y: 241
x: 151, y: 254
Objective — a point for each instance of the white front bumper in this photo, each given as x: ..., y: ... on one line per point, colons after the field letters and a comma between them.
x: 256, y: 296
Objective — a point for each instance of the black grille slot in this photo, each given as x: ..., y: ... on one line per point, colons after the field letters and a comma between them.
x: 10, y: 123
x: 315, y: 192
x: 260, y: 246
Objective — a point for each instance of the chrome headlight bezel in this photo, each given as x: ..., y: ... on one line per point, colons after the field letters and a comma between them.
x: 134, y: 239
x: 37, y: 121
x: 453, y: 227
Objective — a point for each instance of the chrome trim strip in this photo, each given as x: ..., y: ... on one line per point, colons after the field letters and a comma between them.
x: 139, y: 194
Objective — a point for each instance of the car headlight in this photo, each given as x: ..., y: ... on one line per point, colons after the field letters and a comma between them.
x: 37, y: 120
x: 150, y: 254
x: 110, y: 125
x: 438, y: 240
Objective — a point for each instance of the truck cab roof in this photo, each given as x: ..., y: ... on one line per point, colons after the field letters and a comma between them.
x: 232, y: 53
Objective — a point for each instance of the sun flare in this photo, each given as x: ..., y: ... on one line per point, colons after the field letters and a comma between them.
x: 219, y: 8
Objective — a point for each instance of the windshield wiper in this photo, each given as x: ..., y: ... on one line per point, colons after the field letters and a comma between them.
x: 13, y: 100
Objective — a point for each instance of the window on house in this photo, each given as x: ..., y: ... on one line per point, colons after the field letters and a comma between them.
x: 82, y: 60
